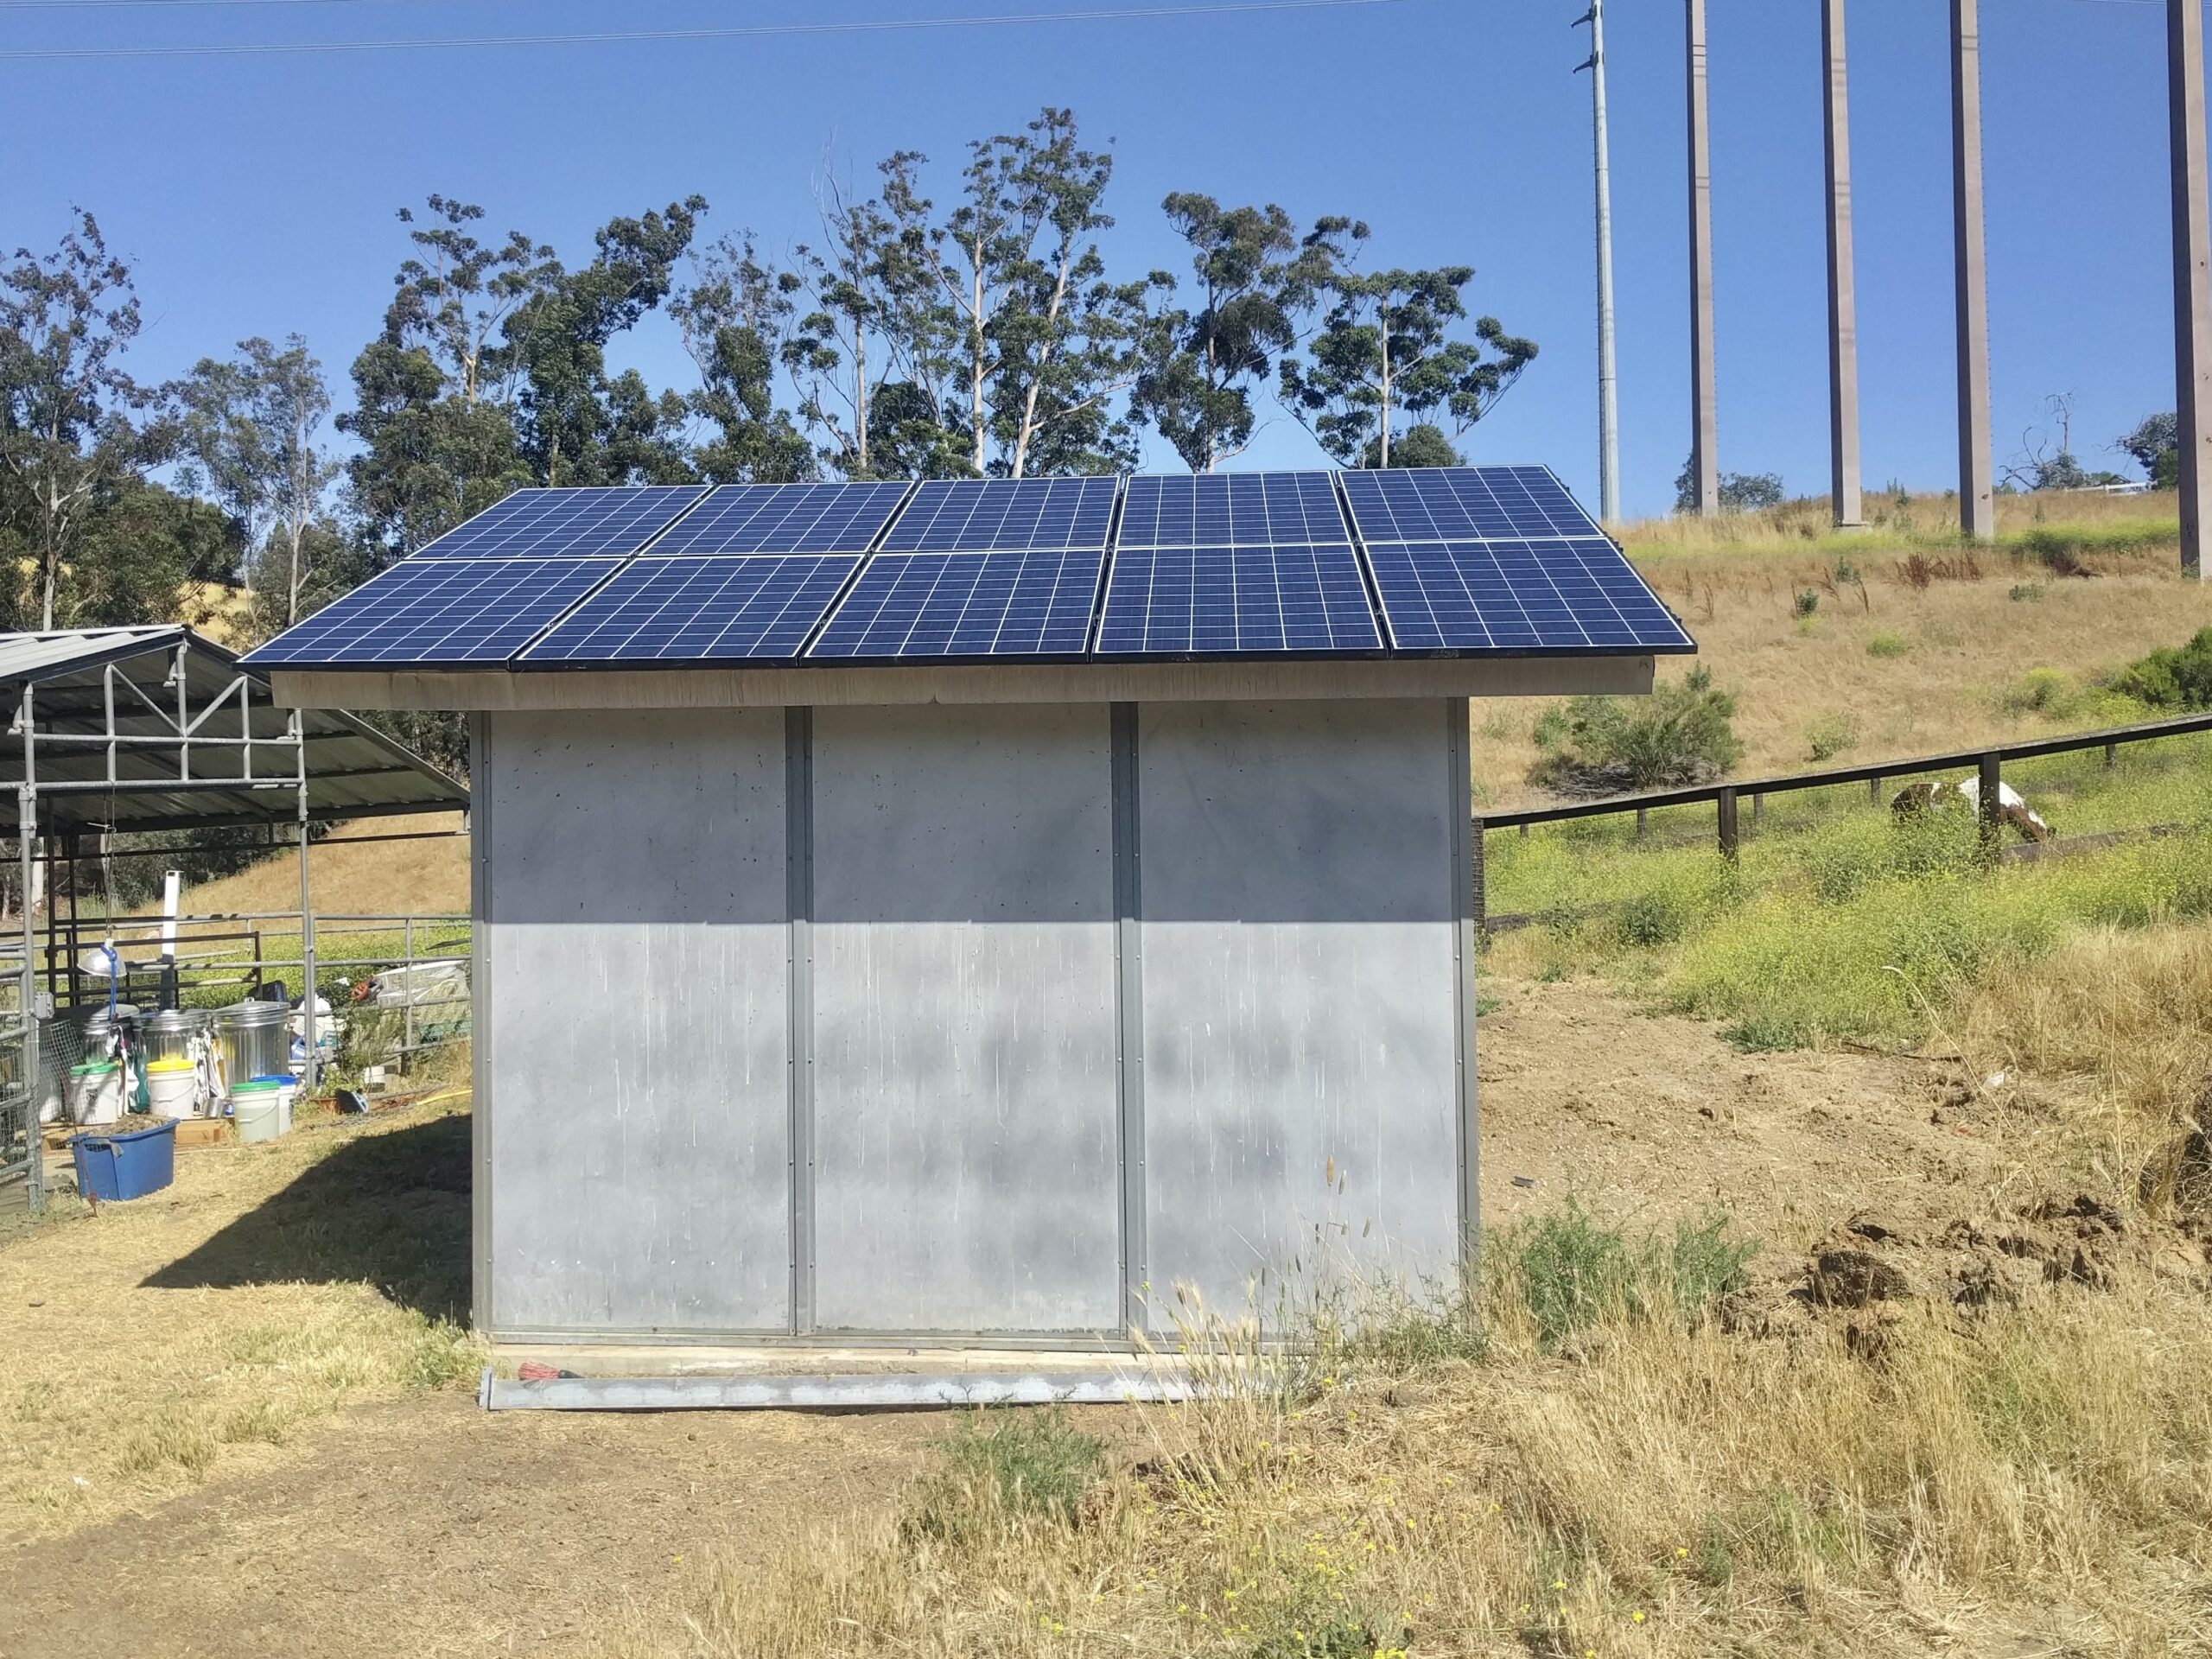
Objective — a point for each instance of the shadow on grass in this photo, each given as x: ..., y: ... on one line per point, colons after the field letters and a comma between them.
x: 390, y: 1210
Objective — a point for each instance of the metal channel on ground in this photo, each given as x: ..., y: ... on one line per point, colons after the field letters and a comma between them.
x: 1128, y: 920
x: 832, y: 1391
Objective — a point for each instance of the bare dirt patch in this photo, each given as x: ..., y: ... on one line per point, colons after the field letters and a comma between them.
x: 1646, y: 1119
x: 427, y: 1526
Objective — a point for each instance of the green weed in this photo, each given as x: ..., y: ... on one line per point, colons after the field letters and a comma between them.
x: 1885, y: 643
x: 1005, y: 1468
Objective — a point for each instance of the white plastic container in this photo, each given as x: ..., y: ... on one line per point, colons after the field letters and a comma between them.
x: 172, y: 1091
x: 258, y: 1113
x: 96, y: 1095
x: 285, y: 1094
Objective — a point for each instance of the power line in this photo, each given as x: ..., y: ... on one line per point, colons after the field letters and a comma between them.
x: 755, y: 31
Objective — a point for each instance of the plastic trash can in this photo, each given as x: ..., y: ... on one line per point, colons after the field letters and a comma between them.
x: 112, y: 1168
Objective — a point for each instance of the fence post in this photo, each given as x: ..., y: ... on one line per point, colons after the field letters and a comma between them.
x: 1758, y: 810
x: 1874, y: 791
x: 1726, y: 806
x: 2111, y: 756
x: 407, y: 1037
x: 1642, y: 818
x: 1990, y: 786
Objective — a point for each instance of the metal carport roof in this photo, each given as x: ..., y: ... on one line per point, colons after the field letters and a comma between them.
x: 155, y: 728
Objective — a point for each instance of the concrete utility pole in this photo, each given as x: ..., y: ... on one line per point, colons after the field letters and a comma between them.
x: 2192, y: 276
x: 1609, y: 445
x: 1704, y: 419
x: 1977, y: 499
x: 1843, y: 324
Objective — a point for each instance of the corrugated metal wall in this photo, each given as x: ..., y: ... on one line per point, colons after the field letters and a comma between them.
x: 1094, y: 999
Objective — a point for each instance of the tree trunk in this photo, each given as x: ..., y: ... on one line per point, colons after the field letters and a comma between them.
x: 976, y: 346
x: 1383, y: 414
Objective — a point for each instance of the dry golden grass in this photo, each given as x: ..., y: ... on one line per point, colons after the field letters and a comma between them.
x: 2044, y: 1476
x: 396, y: 878
x: 2126, y: 1015
x: 1890, y: 518
x: 150, y: 1346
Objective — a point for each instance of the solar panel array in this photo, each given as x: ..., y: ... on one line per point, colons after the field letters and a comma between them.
x: 565, y: 524
x: 1500, y: 559
x: 1443, y: 561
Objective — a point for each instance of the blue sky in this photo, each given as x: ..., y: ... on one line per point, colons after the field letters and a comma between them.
x: 256, y: 194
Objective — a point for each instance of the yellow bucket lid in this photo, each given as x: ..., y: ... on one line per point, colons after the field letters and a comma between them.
x: 170, y: 1064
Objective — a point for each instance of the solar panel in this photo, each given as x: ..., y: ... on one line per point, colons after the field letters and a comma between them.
x: 1463, y: 503
x: 436, y: 614
x: 982, y: 515
x: 909, y: 605
x: 1231, y: 510
x: 565, y: 524
x: 700, y: 610
x: 1224, y: 600
x: 1552, y: 594
x: 785, y: 518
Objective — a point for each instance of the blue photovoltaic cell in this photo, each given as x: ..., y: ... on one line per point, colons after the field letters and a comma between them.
x: 1447, y: 504
x: 436, y: 612
x: 1005, y: 515
x: 1556, y: 594
x: 1229, y: 599
x: 1231, y: 510
x: 700, y: 610
x: 909, y: 606
x: 565, y: 524
x: 785, y: 518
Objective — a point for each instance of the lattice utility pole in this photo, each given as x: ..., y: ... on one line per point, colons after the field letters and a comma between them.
x: 1609, y: 447
x: 1977, y: 501
x: 2192, y: 276
x: 1843, y: 325
x: 1705, y: 421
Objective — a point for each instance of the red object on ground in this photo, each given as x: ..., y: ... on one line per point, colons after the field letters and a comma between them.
x: 533, y: 1370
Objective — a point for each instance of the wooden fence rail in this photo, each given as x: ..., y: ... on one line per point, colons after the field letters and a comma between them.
x: 1988, y: 762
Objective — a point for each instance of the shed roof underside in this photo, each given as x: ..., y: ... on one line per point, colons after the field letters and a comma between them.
x: 135, y: 683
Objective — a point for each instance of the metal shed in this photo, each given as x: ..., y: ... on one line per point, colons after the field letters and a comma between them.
x: 885, y: 936
x: 157, y: 728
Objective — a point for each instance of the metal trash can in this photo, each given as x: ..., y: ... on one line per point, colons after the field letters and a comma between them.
x: 252, y: 1040
x: 167, y: 1035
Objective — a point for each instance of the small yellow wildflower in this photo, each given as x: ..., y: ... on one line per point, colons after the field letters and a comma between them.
x: 1636, y: 1617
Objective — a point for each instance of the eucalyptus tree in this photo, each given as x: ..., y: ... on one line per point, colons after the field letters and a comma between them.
x: 1005, y: 324
x: 736, y: 317
x: 1255, y: 280
x: 432, y: 392
x: 1386, y: 347
x: 75, y: 426
x: 575, y: 424
x: 253, y: 434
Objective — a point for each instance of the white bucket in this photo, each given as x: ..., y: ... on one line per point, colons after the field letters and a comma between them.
x: 96, y: 1097
x: 285, y: 1093
x: 258, y: 1113
x: 171, y: 1094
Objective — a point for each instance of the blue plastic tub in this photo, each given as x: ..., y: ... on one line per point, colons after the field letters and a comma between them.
x: 114, y: 1167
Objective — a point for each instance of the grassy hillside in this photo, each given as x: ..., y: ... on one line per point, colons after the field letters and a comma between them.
x: 399, y: 878
x: 1909, y: 642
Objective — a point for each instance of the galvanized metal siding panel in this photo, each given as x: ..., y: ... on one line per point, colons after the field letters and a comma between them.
x: 965, y: 1098
x: 639, y: 1031
x: 1302, y: 1033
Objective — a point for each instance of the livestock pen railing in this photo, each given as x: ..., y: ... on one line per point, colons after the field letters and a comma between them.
x: 206, y: 961
x: 1988, y: 760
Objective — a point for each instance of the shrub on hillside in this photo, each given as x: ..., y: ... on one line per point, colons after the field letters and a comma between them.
x: 2175, y: 679
x: 1680, y: 735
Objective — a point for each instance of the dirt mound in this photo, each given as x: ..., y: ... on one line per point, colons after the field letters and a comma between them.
x: 1873, y: 1259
